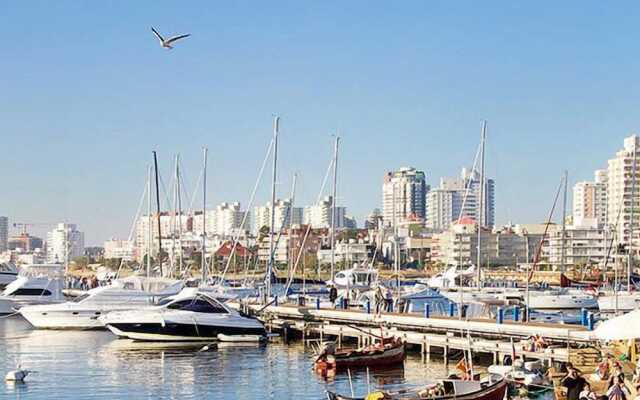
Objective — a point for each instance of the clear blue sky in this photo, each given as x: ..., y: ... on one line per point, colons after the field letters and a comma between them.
x: 87, y: 93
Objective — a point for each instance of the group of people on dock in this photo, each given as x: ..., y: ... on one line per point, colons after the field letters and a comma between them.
x: 609, y: 370
x: 84, y: 283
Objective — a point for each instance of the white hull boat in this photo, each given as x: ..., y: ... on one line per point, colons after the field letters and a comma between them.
x: 36, y: 284
x: 625, y: 302
x: 561, y: 300
x: 8, y: 274
x: 83, y: 312
x: 188, y: 316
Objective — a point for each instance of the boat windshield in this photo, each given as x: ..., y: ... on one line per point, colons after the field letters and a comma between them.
x: 364, y: 277
x: 199, y: 305
x: 164, y: 301
x: 80, y: 298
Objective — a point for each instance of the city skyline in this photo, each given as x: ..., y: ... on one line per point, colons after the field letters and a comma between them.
x: 81, y: 128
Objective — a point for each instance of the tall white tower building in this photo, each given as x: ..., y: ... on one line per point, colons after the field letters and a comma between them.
x: 285, y: 215
x: 64, y: 243
x: 319, y: 215
x: 460, y: 197
x: 404, y: 196
x: 590, y: 199
x: 619, y: 189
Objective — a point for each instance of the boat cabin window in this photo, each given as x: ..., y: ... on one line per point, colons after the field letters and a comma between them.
x: 30, y: 292
x: 164, y: 301
x: 340, y: 275
x: 6, y: 269
x: 197, y: 305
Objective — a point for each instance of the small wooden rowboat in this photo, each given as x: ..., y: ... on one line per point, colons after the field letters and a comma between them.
x: 389, y: 351
x: 447, y: 389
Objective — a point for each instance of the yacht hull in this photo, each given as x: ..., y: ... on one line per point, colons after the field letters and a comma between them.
x: 562, y: 302
x: 625, y: 302
x: 64, y: 319
x: 176, y: 332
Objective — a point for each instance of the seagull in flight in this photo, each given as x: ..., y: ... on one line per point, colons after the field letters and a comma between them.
x: 166, y: 43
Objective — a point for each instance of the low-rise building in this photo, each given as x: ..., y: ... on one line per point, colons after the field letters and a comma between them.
x: 585, y: 243
x: 121, y: 249
x: 347, y: 252
x: 506, y: 246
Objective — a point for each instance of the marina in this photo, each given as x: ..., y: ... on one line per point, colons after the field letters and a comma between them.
x: 319, y: 200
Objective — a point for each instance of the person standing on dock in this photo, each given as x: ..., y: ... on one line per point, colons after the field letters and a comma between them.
x: 573, y: 382
x: 389, y: 300
x: 619, y: 391
x: 587, y: 393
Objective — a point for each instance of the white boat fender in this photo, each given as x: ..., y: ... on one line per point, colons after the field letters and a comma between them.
x: 210, y: 346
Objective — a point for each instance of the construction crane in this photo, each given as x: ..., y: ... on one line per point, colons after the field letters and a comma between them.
x: 23, y: 225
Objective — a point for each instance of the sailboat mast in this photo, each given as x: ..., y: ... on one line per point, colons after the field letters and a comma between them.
x: 174, y: 219
x: 179, y: 189
x: 631, y: 221
x: 203, y: 260
x: 149, y: 223
x: 333, y: 205
x: 563, y: 249
x: 481, y: 213
x: 289, y: 224
x: 155, y: 163
x: 276, y: 125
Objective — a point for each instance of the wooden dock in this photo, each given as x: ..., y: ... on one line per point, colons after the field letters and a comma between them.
x: 442, y: 334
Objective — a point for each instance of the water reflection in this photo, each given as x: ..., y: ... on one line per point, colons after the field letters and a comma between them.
x: 93, y: 364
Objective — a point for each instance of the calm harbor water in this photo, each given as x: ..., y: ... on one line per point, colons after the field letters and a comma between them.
x: 94, y: 364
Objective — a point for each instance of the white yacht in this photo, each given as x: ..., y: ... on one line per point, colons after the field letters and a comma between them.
x: 35, y: 284
x: 451, y: 278
x: 355, y: 278
x: 624, y: 302
x: 83, y: 311
x: 561, y: 299
x: 188, y: 316
x: 8, y: 274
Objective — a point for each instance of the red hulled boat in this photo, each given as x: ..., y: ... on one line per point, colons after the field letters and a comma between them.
x: 388, y: 351
x: 447, y: 389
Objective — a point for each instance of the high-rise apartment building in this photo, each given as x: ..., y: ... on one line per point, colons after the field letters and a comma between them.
x: 620, y: 183
x: 4, y: 234
x: 404, y: 196
x: 460, y: 197
x: 590, y: 199
x: 319, y: 215
x: 285, y: 215
x: 64, y: 243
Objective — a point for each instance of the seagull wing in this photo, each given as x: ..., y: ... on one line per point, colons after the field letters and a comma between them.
x: 174, y: 38
x: 160, y: 38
